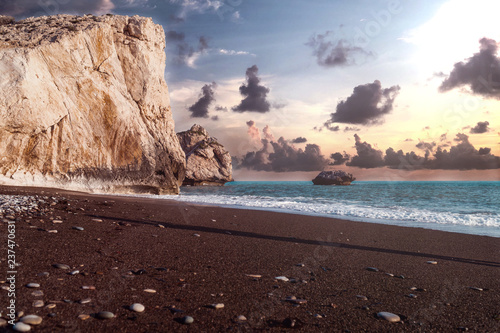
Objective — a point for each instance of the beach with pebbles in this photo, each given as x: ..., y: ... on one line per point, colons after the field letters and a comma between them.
x: 102, y: 263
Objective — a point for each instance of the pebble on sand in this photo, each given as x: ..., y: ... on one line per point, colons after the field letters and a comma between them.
x: 217, y: 306
x: 151, y: 291
x: 78, y: 228
x: 21, y: 327
x: 83, y: 316
x: 137, y: 307
x: 282, y: 278
x: 362, y: 297
x: 432, y: 262
x: 3, y: 322
x: 187, y: 320
x: 241, y: 318
x: 96, y: 220
x: 105, y: 315
x: 393, y: 318
x: 31, y: 320
x: 38, y: 303
x: 61, y: 266
x: 372, y: 269
x: 255, y: 276
x: 33, y: 285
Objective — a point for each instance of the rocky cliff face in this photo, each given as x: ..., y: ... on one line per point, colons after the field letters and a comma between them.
x: 208, y: 163
x: 84, y: 104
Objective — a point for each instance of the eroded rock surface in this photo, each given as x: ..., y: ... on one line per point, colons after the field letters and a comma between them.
x: 207, y: 162
x: 334, y: 177
x: 84, y: 104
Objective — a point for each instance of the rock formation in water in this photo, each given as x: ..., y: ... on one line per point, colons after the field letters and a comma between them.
x: 207, y: 162
x: 335, y: 177
x: 84, y: 104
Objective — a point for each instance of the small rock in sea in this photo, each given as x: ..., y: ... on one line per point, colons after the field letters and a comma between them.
x: 61, y: 266
x: 38, y: 304
x: 21, y: 327
x: 282, y: 278
x: 393, y: 318
x: 372, y: 269
x: 83, y: 316
x: 476, y: 288
x: 96, y: 220
x: 74, y: 272
x: 31, y: 320
x: 105, y: 315
x: 217, y: 306
x: 85, y: 301
x: 137, y: 307
x: 78, y: 228
x: 187, y: 320
x: 151, y: 291
x: 362, y: 297
x: 432, y: 262
x: 33, y: 285
x: 196, y: 235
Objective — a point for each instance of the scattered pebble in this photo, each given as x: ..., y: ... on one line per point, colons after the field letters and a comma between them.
x: 476, y: 288
x: 187, y: 320
x: 57, y: 221
x: 83, y: 316
x: 43, y: 274
x: 33, y: 285
x: 300, y: 265
x: 362, y: 297
x: 372, y: 269
x: 85, y: 301
x: 241, y: 318
x: 3, y: 322
x: 255, y: 276
x: 217, y: 306
x: 412, y: 296
x: 21, y: 327
x: 105, y: 315
x: 295, y: 300
x: 151, y: 291
x: 52, y: 231
x: 31, y: 320
x: 432, y: 262
x: 88, y: 287
x: 196, y: 235
x: 74, y: 272
x: 38, y: 303
x: 50, y: 306
x: 389, y: 274
x: 61, y: 266
x: 282, y: 278
x: 78, y: 228
x: 96, y: 220
x: 137, y: 307
x: 393, y: 318
x: 318, y: 316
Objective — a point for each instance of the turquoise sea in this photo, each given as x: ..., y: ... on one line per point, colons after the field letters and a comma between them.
x: 464, y: 207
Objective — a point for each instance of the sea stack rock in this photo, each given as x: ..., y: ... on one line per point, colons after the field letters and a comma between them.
x: 207, y: 162
x: 335, y: 177
x: 84, y: 105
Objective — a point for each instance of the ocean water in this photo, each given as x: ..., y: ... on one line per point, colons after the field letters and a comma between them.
x: 464, y: 207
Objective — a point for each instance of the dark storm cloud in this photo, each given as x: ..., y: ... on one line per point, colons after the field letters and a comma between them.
x: 26, y: 8
x: 334, y: 52
x: 339, y: 158
x: 481, y: 127
x: 367, y: 157
x: 464, y: 156
x: 220, y: 108
x: 300, y: 139
x: 200, y: 108
x: 481, y: 72
x: 255, y: 94
x: 426, y: 145
x: 367, y: 105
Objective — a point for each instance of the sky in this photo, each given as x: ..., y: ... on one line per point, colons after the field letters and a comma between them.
x: 384, y: 89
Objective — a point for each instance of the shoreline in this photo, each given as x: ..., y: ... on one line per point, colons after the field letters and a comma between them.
x: 195, y: 256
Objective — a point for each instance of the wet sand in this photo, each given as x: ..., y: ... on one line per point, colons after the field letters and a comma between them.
x: 194, y: 256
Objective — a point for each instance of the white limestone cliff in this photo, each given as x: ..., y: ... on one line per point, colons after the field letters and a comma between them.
x: 84, y: 105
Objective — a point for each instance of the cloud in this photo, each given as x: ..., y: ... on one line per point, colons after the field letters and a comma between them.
x: 253, y: 131
x: 174, y: 36
x: 25, y: 8
x: 331, y: 53
x: 255, y: 94
x: 462, y: 156
x: 200, y: 108
x: 279, y: 155
x: 186, y: 54
x: 367, y: 157
x: 233, y: 52
x: 481, y: 127
x: 481, y: 72
x: 426, y: 145
x: 366, y: 106
x: 300, y: 139
x: 339, y: 158
x: 197, y: 6
x: 221, y: 108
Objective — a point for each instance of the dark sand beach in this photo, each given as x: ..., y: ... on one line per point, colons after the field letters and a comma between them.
x: 195, y: 256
